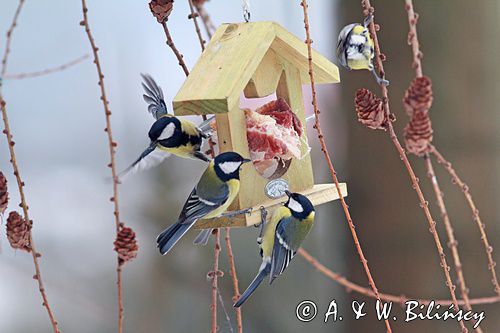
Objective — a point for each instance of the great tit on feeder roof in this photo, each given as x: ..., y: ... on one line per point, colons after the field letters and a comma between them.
x: 217, y: 188
x: 355, y: 48
x: 168, y: 134
x: 283, y: 236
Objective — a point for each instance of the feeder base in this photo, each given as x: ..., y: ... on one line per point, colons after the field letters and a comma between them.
x: 318, y: 194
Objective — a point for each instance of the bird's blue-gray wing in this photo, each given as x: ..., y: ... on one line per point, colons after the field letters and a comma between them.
x: 284, y: 249
x: 154, y: 97
x: 198, y: 205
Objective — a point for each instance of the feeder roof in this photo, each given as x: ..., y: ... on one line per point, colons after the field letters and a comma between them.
x: 232, y: 57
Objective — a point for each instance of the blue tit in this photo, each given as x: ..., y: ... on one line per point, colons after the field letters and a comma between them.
x: 217, y: 188
x: 355, y: 48
x: 283, y: 235
x: 168, y: 135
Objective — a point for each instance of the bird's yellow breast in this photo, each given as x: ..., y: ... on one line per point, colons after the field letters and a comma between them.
x: 270, y: 230
x: 185, y: 151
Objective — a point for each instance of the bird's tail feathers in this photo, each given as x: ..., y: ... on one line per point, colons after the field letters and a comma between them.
x: 264, y: 270
x: 203, y: 237
x: 170, y: 236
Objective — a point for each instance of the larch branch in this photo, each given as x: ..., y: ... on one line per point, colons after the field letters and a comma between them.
x: 324, y: 148
x: 112, y: 153
x: 424, y: 204
x: 13, y: 160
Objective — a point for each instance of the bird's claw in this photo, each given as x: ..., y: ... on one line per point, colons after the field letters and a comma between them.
x: 380, y: 81
x: 263, y: 219
x: 383, y: 82
x: 237, y: 212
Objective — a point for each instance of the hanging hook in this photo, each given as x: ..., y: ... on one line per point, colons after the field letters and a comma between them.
x: 246, y: 10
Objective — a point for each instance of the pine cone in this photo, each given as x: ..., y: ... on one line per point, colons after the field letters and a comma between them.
x: 18, y: 232
x: 126, y: 245
x: 418, y: 97
x: 370, y: 110
x: 418, y: 133
x: 161, y: 9
x: 4, y: 194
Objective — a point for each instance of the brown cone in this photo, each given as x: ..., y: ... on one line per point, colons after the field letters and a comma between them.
x: 369, y: 108
x: 418, y: 133
x: 126, y: 245
x: 418, y: 97
x: 4, y: 194
x: 161, y: 9
x: 18, y: 232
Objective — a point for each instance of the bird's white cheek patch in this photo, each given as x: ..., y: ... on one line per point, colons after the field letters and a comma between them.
x: 229, y: 167
x: 167, y: 132
x: 295, y: 206
x: 358, y: 39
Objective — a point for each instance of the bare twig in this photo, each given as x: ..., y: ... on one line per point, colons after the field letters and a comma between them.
x: 171, y: 44
x: 112, y: 153
x: 60, y: 68
x: 8, y: 133
x: 475, y: 214
x: 417, y: 65
x: 368, y: 9
x: 413, y: 38
x: 452, y: 242
x: 207, y: 21
x: 193, y: 16
x: 351, y: 286
x: 234, y: 276
x: 324, y: 148
x: 8, y: 40
x: 214, y: 275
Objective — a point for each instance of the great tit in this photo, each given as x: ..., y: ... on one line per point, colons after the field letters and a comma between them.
x: 355, y: 48
x: 283, y: 235
x: 168, y: 135
x: 217, y: 188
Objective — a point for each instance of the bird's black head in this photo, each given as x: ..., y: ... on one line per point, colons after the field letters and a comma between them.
x: 227, y: 165
x: 300, y: 206
x: 165, y: 129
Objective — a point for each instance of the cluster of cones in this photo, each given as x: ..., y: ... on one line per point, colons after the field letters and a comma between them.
x: 417, y: 102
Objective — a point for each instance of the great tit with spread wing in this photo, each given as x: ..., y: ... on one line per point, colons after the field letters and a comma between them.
x: 283, y: 235
x: 217, y: 188
x: 168, y: 134
x: 355, y: 48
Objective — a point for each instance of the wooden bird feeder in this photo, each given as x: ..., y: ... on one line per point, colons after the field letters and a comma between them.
x: 257, y: 59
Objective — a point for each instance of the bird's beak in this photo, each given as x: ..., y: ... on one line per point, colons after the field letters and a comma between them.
x: 246, y: 160
x: 288, y: 193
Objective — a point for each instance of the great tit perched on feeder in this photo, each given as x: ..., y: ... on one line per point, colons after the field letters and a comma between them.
x: 217, y: 188
x: 283, y: 236
x: 356, y: 50
x: 168, y: 134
